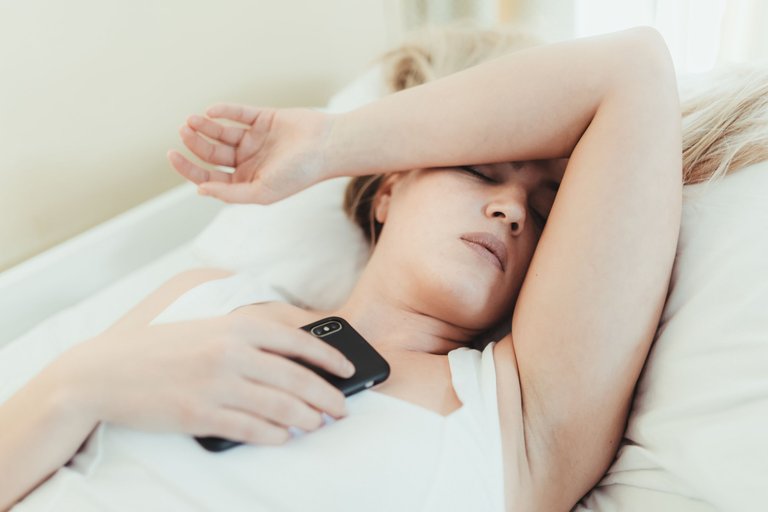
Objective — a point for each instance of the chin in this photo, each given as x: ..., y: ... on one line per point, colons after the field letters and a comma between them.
x: 461, y: 293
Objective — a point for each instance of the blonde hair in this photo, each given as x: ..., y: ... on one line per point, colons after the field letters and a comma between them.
x: 725, y: 123
x: 724, y: 120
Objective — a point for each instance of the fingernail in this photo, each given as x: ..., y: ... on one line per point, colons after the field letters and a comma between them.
x: 202, y: 191
x: 349, y: 369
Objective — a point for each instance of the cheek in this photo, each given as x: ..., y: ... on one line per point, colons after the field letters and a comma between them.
x: 423, y: 240
x: 425, y: 207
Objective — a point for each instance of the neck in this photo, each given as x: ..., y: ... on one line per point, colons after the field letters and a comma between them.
x: 383, y: 314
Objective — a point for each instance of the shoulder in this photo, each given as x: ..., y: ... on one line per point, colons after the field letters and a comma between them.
x: 157, y: 301
x: 188, y: 279
x: 184, y: 281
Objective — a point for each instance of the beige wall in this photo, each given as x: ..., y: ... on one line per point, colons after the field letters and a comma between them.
x: 92, y: 92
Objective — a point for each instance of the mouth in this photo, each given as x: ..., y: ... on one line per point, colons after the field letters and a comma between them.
x: 489, y: 247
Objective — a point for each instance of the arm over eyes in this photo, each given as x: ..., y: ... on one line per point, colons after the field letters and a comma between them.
x: 591, y: 301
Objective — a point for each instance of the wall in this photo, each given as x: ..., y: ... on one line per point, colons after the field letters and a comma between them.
x: 92, y: 93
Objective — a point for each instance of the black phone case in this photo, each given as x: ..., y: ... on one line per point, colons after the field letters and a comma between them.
x: 370, y: 367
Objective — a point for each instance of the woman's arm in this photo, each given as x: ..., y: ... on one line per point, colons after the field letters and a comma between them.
x: 180, y: 377
x: 528, y: 105
x: 596, y: 286
x: 42, y: 428
x: 582, y: 330
x: 44, y: 424
x: 591, y: 301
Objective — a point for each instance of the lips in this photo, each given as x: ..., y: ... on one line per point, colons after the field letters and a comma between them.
x: 490, y: 243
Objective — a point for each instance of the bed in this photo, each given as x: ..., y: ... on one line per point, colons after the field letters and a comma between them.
x: 695, y: 440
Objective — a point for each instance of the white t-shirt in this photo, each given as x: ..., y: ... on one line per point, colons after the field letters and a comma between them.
x: 387, y: 454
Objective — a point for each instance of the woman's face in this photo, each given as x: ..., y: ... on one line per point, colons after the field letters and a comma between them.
x: 430, y: 216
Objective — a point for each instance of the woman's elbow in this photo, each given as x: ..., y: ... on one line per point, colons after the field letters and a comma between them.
x: 647, y: 56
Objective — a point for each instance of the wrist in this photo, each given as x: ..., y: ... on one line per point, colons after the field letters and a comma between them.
x: 69, y: 390
x: 334, y: 164
x: 65, y: 403
x: 349, y: 151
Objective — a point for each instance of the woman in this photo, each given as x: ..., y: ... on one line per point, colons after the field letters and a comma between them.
x: 472, y: 163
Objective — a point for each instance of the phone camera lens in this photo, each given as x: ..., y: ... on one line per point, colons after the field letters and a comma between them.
x: 326, y: 329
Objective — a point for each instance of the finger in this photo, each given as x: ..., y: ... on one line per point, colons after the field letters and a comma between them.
x: 296, y: 343
x: 194, y: 172
x: 217, y: 154
x: 275, y: 405
x: 230, y: 135
x: 243, y: 427
x: 240, y: 113
x: 288, y: 376
x: 245, y: 192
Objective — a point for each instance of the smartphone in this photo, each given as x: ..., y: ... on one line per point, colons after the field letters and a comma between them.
x: 370, y: 367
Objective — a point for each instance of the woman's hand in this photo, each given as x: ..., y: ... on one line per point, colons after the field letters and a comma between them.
x: 225, y: 376
x: 274, y: 152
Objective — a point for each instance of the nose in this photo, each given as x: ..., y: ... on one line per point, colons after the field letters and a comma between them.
x: 509, y: 207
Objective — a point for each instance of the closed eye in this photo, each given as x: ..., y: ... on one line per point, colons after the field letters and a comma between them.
x: 472, y: 170
x: 540, y: 219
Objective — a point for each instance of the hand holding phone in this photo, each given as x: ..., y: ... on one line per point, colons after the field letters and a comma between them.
x: 370, y: 367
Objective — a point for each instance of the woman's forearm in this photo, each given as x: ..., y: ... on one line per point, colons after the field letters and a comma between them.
x: 41, y: 428
x: 528, y: 105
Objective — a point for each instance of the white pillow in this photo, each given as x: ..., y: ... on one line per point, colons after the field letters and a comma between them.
x: 304, y: 244
x: 699, y: 424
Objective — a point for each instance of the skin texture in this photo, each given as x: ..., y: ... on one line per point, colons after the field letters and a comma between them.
x: 445, y: 295
x: 424, y: 213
